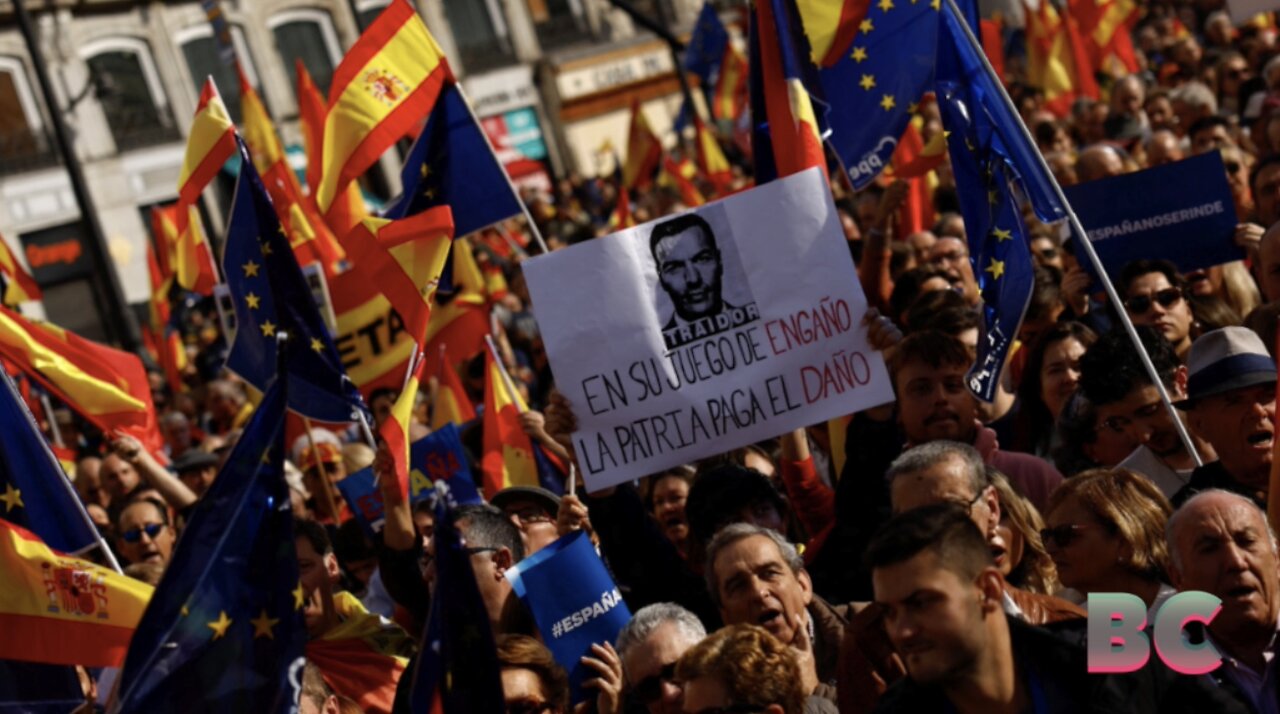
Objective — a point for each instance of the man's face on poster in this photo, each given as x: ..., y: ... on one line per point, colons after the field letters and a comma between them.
x: 689, y: 269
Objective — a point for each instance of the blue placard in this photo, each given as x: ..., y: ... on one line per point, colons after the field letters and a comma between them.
x: 574, y: 602
x: 1181, y: 212
x: 437, y: 456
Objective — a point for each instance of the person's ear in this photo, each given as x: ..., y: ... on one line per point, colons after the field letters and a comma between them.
x: 1180, y: 381
x: 774, y: 709
x: 806, y: 585
x: 331, y: 568
x: 502, y: 561
x: 991, y: 587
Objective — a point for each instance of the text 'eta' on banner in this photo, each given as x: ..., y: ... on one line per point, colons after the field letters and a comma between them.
x: 708, y: 330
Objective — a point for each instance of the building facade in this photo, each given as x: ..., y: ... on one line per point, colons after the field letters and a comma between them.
x: 551, y: 81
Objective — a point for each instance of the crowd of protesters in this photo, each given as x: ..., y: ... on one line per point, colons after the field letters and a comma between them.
x: 935, y: 553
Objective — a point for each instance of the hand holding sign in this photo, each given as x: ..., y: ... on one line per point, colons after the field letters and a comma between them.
x: 608, y: 665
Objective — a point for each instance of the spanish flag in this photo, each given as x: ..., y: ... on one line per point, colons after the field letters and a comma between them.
x: 621, y: 217
x: 452, y: 406
x: 1057, y: 60
x: 210, y: 144
x: 350, y: 208
x: 644, y: 151
x: 395, y: 431
x: 676, y: 176
x: 19, y: 286
x: 830, y: 26
x: 107, y: 387
x: 711, y: 160
x: 380, y: 93
x: 792, y: 124
x: 914, y: 162
x: 62, y: 610
x: 1106, y: 26
x: 729, y: 100
x: 508, y: 451
x: 363, y: 657
x: 404, y: 259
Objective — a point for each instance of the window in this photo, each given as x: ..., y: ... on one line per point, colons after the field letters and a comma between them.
x: 479, y: 32
x: 368, y: 11
x: 128, y: 89
x: 24, y: 145
x: 307, y: 35
x: 200, y: 51
x: 558, y: 22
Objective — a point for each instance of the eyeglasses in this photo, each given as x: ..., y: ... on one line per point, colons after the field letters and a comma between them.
x: 1118, y: 424
x: 1231, y: 166
x: 968, y: 505
x: 1140, y: 304
x: 151, y: 529
x: 1047, y: 253
x: 528, y: 706
x: 650, y: 688
x: 1063, y: 536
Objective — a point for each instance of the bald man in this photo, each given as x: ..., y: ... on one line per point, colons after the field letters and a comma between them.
x: 1163, y: 148
x: 1100, y: 161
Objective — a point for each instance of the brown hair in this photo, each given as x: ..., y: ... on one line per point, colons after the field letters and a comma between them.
x: 1131, y: 507
x: 1035, y: 572
x: 524, y: 652
x: 754, y: 667
x: 935, y: 348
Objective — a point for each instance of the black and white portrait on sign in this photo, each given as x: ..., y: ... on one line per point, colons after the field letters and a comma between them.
x: 702, y: 288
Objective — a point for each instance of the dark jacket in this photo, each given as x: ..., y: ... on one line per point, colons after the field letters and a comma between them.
x: 1056, y: 674
x: 1215, y: 475
x: 829, y: 623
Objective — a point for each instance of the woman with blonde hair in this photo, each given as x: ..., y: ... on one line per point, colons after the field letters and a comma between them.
x: 1105, y: 533
x: 1026, y: 564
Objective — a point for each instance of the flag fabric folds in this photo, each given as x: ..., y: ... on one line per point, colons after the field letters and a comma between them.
x: 107, y: 387
x: 877, y: 64
x: 451, y: 164
x: 707, y: 46
x: 395, y: 429
x: 58, y: 609
x: 788, y: 136
x: 457, y: 670
x: 387, y: 82
x: 271, y: 296
x: 987, y: 147
x: 1057, y: 59
x: 729, y: 100
x: 224, y: 630
x: 209, y: 145
x: 711, y: 159
x: 452, y: 405
x: 1106, y: 26
x: 16, y: 283
x: 508, y: 451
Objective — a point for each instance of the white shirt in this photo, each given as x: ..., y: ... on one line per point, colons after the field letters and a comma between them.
x: 1144, y: 461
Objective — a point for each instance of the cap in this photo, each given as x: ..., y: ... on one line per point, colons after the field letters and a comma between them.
x: 194, y: 460
x: 541, y: 496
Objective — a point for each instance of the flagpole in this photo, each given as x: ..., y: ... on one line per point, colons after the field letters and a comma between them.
x: 506, y: 378
x: 533, y: 227
x: 66, y: 483
x: 1082, y: 238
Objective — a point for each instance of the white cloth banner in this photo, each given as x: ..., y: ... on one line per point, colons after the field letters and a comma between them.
x: 699, y: 333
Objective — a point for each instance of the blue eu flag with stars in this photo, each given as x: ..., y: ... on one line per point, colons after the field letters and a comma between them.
x: 224, y: 631
x: 271, y: 297
x: 706, y: 46
x: 989, y: 156
x: 34, y: 492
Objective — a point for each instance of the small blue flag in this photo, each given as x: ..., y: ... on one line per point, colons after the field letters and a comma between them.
x: 706, y: 46
x: 271, y: 296
x: 457, y: 670
x: 574, y: 602
x: 224, y: 631
x: 34, y: 492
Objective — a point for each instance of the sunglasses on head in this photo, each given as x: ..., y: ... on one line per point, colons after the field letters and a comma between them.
x: 1140, y: 304
x: 151, y: 529
x: 650, y: 688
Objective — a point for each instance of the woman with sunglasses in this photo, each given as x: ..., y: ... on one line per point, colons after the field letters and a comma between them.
x: 1155, y: 294
x: 1105, y: 533
x: 532, y: 682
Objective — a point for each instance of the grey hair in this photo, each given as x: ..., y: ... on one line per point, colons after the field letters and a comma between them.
x: 929, y: 454
x: 1171, y: 527
x: 649, y: 618
x: 484, y: 526
x: 735, y: 532
x: 1197, y: 94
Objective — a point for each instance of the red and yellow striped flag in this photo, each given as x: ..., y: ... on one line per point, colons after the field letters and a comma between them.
x: 62, y: 610
x: 381, y: 91
x: 644, y: 151
x: 350, y: 208
x: 729, y: 100
x: 395, y: 431
x: 452, y: 406
x: 508, y: 451
x: 678, y: 176
x: 1057, y: 61
x: 711, y: 159
x: 209, y: 145
x: 793, y: 127
x: 19, y: 286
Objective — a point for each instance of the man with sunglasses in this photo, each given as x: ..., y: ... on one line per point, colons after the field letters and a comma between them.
x: 1231, y: 403
x: 650, y: 645
x: 145, y: 535
x: 1115, y: 382
x: 1155, y: 294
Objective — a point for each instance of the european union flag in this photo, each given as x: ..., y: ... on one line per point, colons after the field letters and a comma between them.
x: 452, y: 165
x: 457, y: 667
x: 706, y: 46
x: 224, y: 631
x: 874, y: 83
x: 987, y: 153
x: 34, y: 492
x: 271, y: 296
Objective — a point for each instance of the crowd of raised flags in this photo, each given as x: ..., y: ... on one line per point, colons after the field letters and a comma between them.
x: 835, y: 85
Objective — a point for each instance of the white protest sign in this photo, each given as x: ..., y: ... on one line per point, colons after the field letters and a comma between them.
x: 754, y: 329
x: 1242, y: 11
